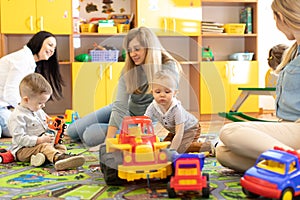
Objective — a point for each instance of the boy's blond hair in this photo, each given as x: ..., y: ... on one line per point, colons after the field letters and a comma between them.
x: 165, y: 78
x: 33, y: 85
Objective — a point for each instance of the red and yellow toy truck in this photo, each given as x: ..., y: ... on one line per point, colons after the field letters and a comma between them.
x: 188, y: 175
x: 57, y: 127
x: 136, y: 153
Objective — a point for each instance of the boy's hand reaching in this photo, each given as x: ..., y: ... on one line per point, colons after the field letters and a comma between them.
x: 45, y: 138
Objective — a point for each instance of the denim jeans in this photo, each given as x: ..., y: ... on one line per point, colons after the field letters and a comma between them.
x: 92, y: 128
x: 4, y: 115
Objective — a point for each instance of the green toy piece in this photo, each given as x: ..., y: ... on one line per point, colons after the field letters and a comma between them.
x: 207, y: 54
x: 83, y: 57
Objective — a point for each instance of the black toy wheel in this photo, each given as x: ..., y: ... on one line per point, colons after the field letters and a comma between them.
x: 1, y: 159
x: 102, y: 151
x: 109, y: 166
x: 250, y: 194
x: 206, y: 190
x: 171, y: 191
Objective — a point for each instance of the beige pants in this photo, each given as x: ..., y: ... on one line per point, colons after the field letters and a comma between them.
x: 47, y: 149
x: 189, y: 136
x: 242, y: 142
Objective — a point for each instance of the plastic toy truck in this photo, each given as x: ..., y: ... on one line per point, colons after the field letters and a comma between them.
x: 136, y: 153
x: 276, y: 174
x: 188, y: 175
x: 6, y: 156
x: 57, y: 127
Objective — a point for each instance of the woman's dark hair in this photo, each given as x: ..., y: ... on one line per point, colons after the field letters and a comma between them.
x: 47, y: 68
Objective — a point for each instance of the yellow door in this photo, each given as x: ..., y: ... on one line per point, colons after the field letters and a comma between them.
x: 220, y: 81
x: 170, y: 17
x: 89, y: 87
x: 18, y: 16
x: 243, y: 74
x: 185, y: 20
x: 113, y: 72
x: 214, y: 88
x: 187, y: 3
x: 54, y: 16
x: 187, y: 27
x: 153, y: 14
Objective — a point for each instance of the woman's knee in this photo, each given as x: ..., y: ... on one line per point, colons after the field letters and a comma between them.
x: 95, y: 134
x: 72, y: 132
x: 228, y: 130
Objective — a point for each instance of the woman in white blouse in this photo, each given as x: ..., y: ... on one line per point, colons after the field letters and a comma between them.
x: 38, y: 55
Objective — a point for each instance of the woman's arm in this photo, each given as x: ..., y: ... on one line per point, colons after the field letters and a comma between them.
x: 11, y: 88
x: 111, y: 132
x: 119, y: 109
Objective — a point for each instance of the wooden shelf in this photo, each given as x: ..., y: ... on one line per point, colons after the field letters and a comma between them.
x: 227, y: 35
x: 227, y: 2
x: 97, y: 34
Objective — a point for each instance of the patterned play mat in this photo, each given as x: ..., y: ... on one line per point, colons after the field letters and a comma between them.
x: 23, y: 181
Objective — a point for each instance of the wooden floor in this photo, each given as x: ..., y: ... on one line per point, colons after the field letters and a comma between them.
x: 213, y: 123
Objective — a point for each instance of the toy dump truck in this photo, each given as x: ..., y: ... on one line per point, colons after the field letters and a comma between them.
x: 276, y: 174
x: 136, y: 153
x: 57, y: 127
x: 188, y: 175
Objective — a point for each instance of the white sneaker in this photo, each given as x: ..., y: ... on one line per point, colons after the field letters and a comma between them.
x: 67, y: 161
x: 37, y: 160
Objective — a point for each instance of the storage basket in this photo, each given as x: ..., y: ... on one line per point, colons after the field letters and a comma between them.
x: 123, y: 28
x: 88, y: 28
x: 107, y: 30
x: 235, y: 28
x: 241, y: 56
x: 104, y: 55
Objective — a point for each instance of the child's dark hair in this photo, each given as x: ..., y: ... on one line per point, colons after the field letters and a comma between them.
x: 275, y: 55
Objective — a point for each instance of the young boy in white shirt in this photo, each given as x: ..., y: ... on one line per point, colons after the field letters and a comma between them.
x: 28, y: 125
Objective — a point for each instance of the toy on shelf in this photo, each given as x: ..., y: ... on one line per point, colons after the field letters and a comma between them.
x: 57, y: 127
x: 276, y: 174
x: 207, y: 54
x: 135, y: 153
x: 6, y: 156
x: 188, y: 175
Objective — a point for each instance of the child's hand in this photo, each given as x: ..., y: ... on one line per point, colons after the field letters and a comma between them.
x: 45, y: 138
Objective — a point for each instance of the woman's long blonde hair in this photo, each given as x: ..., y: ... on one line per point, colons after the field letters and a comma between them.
x: 290, y: 12
x: 156, y: 55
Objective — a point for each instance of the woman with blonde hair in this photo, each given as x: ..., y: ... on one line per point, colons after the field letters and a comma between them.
x: 242, y: 142
x: 144, y: 57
